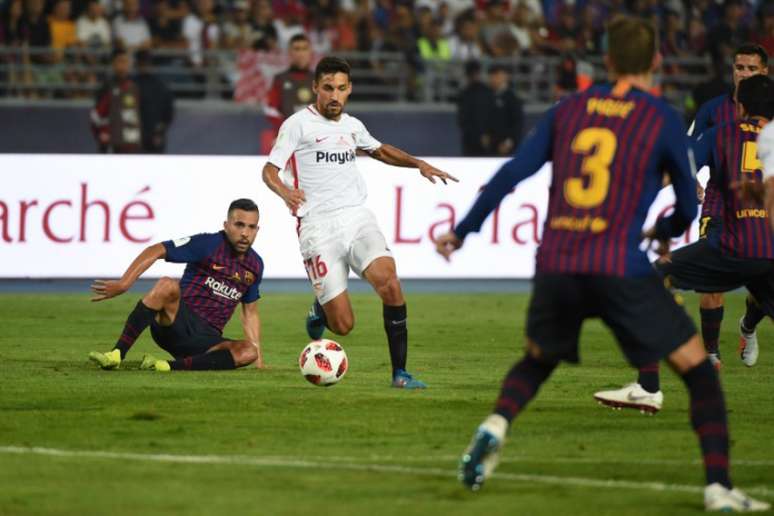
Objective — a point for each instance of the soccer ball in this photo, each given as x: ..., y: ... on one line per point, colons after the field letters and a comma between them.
x: 323, y: 362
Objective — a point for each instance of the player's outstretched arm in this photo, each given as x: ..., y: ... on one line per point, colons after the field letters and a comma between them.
x: 105, y: 289
x: 447, y: 243
x: 394, y: 156
x: 251, y: 325
x: 293, y: 198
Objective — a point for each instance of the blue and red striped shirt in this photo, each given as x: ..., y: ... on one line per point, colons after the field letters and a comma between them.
x: 216, y: 278
x: 609, y: 153
x: 730, y: 150
x: 715, y: 112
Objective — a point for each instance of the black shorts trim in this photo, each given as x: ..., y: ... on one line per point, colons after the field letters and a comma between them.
x: 188, y: 335
x: 644, y: 316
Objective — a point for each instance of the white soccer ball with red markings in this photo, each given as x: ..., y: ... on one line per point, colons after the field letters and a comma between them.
x: 323, y: 362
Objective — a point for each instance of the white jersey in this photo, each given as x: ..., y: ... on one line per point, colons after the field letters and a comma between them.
x: 317, y: 155
x: 766, y: 150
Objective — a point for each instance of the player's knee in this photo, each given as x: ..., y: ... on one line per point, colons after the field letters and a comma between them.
x: 244, y: 354
x: 389, y: 290
x: 341, y: 324
x: 166, y: 289
x: 710, y: 301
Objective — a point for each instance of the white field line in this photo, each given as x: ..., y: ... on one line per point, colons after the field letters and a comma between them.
x: 317, y: 464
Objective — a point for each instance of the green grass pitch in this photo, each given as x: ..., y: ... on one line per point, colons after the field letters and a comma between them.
x: 130, y: 442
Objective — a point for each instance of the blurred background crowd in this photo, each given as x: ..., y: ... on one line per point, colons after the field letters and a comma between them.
x: 402, y: 51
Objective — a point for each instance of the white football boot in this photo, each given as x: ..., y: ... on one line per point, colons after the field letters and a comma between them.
x: 720, y: 498
x: 632, y: 396
x: 748, y: 346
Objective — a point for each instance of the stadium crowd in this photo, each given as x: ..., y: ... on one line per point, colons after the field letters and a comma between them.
x: 422, y: 30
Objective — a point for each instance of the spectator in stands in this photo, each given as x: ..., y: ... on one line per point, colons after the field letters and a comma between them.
x: 589, y: 39
x: 62, y: 28
x: 237, y: 30
x: 564, y: 37
x: 496, y: 30
x: 201, y: 30
x: 432, y: 46
x: 35, y: 29
x: 291, y: 90
x: 473, y: 113
x: 465, y: 44
x: 263, y: 25
x: 11, y: 21
x: 166, y: 30
x: 116, y: 115
x: 765, y: 37
x: 730, y: 33
x: 92, y: 29
x: 506, y: 113
x: 156, y: 106
x: 520, y: 27
x: 289, y: 20
x: 130, y: 29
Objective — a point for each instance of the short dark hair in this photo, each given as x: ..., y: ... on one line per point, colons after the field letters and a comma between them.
x: 331, y: 65
x: 631, y: 44
x: 751, y: 49
x: 298, y: 37
x: 243, y: 204
x: 756, y: 94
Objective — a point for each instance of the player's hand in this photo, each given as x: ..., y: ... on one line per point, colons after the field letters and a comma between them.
x: 446, y: 244
x: 662, y: 247
x: 430, y: 172
x: 105, y: 289
x: 293, y: 198
x: 699, y: 193
x: 749, y: 191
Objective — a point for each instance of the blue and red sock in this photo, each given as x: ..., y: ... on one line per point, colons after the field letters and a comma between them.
x: 708, y: 418
x: 521, y: 385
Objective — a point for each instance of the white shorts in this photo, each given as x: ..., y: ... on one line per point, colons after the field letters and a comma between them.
x: 332, y: 244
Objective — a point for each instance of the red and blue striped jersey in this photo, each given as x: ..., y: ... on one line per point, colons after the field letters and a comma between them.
x: 730, y: 150
x: 609, y: 152
x: 216, y: 278
x: 715, y: 112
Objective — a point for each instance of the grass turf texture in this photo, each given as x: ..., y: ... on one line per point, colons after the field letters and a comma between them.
x: 305, y: 449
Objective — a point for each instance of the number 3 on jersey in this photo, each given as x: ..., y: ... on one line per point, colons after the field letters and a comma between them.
x: 598, y: 146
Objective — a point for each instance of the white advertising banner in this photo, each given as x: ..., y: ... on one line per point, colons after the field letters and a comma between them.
x: 88, y: 216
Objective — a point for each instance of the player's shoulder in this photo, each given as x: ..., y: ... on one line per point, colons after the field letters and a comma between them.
x: 352, y: 121
x: 713, y: 103
x: 300, y: 116
x: 254, y: 261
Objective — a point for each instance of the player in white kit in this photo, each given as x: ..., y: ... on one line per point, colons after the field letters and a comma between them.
x: 320, y: 183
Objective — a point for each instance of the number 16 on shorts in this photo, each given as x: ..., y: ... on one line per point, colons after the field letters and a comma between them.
x: 315, y: 268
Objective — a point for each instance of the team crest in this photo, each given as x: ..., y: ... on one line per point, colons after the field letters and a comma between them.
x: 249, y: 277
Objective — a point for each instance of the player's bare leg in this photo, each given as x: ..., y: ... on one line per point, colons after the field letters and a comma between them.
x: 225, y: 355
x: 519, y: 387
x: 383, y: 277
x: 161, y: 303
x: 339, y: 317
x: 336, y: 315
x: 164, y: 298
x: 708, y: 418
x: 711, y: 312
